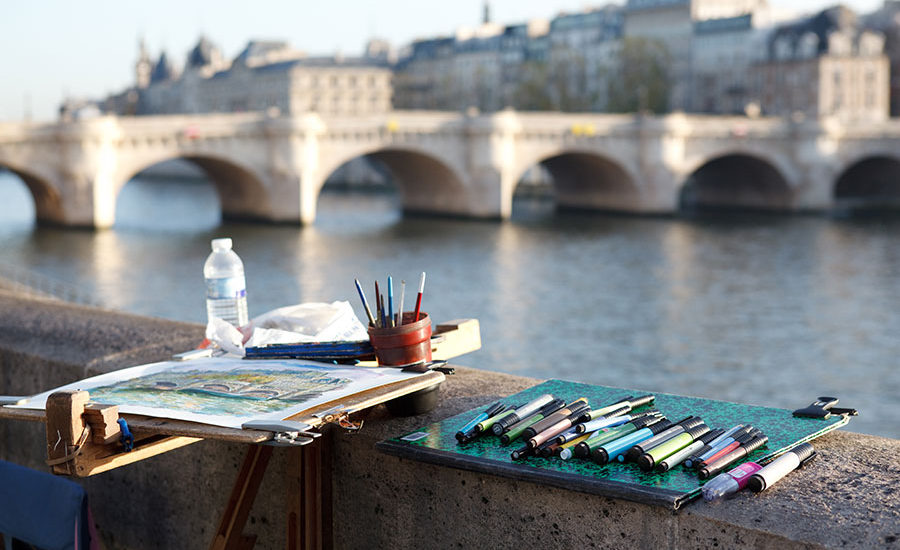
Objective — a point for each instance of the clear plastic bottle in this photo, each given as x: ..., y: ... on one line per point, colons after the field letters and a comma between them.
x: 226, y: 287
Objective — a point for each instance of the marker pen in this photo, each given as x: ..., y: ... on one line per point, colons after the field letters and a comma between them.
x: 552, y: 419
x: 604, y: 411
x: 677, y: 458
x: 729, y: 482
x: 772, y: 472
x: 521, y: 453
x: 566, y: 449
x: 610, y: 450
x: 485, y: 425
x: 691, y: 460
x: 608, y: 420
x: 714, y: 468
x: 717, y: 454
x: 520, y: 413
x: 716, y: 445
x: 519, y: 427
x: 635, y: 451
x: 489, y: 412
x: 604, y: 435
x: 631, y: 402
x: 556, y: 429
x: 650, y: 457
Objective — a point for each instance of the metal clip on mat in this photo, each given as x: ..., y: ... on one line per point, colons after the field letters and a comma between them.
x: 284, y: 432
x: 824, y: 407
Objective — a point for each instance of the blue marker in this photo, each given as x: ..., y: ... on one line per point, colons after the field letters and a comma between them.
x: 467, y: 431
x: 390, y: 314
x: 614, y: 448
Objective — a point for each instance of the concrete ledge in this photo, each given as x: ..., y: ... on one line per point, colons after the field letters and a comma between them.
x: 846, y: 498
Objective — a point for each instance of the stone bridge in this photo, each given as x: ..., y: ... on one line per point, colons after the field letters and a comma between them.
x: 273, y: 168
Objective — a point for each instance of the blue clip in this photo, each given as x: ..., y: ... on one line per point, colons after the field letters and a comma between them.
x: 127, y: 439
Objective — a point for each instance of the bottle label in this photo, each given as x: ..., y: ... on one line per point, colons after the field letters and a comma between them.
x: 226, y: 287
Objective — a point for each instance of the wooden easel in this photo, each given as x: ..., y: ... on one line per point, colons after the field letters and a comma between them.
x: 82, y: 441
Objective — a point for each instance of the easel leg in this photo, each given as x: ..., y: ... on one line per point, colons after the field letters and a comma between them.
x: 230, y: 533
x: 309, y: 496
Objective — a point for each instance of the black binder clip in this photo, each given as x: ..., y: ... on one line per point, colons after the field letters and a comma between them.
x: 824, y: 407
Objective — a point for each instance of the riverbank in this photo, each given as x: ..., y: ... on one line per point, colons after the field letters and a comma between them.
x: 845, y: 499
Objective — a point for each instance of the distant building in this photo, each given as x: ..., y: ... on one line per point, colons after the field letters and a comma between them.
x: 887, y: 21
x: 826, y: 65
x: 556, y: 65
x: 722, y: 52
x: 266, y: 75
x: 672, y: 23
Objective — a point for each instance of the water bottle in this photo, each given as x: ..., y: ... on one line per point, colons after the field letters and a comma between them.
x: 226, y: 288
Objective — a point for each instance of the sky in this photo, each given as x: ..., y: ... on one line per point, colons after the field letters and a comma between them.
x: 53, y: 49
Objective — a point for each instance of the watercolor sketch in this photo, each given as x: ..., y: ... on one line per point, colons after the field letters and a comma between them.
x: 227, y: 391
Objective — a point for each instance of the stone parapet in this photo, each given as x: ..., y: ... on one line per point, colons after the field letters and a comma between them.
x: 846, y: 498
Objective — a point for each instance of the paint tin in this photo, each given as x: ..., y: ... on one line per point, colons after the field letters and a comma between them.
x: 408, y: 344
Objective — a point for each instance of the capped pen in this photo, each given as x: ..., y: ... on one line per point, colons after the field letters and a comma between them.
x: 485, y: 425
x: 727, y: 483
x: 612, y: 449
x: 559, y: 427
x: 742, y: 439
x: 466, y: 432
x: 492, y: 409
x: 679, y: 427
x: 520, y: 413
x: 677, y: 458
x: 553, y: 418
x: 775, y: 470
x: 519, y: 427
x: 717, y: 443
x: 604, y: 435
x: 631, y: 402
x: 655, y: 454
x: 606, y: 421
x: 713, y: 468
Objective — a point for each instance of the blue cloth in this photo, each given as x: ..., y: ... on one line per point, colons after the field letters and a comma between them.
x: 43, y: 510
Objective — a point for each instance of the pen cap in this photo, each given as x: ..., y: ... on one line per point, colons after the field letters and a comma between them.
x: 697, y: 431
x: 709, y: 436
x: 647, y: 421
x: 641, y: 401
x: 804, y: 451
x: 691, y: 422
x: 660, y: 426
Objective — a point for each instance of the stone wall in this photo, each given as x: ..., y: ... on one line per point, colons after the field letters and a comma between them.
x: 846, y: 498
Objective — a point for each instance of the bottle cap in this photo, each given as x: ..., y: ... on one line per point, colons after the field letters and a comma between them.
x: 222, y: 244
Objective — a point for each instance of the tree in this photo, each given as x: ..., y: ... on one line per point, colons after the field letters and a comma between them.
x: 560, y: 85
x: 642, y: 82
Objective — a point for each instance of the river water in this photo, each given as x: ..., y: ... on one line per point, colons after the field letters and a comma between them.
x: 769, y: 310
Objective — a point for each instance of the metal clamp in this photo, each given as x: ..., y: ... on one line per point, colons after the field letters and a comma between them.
x: 284, y: 432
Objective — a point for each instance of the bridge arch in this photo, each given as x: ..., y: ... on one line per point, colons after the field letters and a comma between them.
x: 587, y: 180
x: 870, y: 182
x: 737, y: 180
x: 243, y: 194
x: 48, y: 204
x: 425, y: 182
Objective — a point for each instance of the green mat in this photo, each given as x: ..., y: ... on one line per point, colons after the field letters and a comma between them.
x: 437, y: 444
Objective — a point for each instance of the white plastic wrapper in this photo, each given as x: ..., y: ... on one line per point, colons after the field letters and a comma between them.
x: 311, y: 322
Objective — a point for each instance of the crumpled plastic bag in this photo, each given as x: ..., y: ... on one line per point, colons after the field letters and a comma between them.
x: 310, y: 322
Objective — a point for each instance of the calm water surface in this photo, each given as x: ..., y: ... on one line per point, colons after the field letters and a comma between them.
x: 767, y: 310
